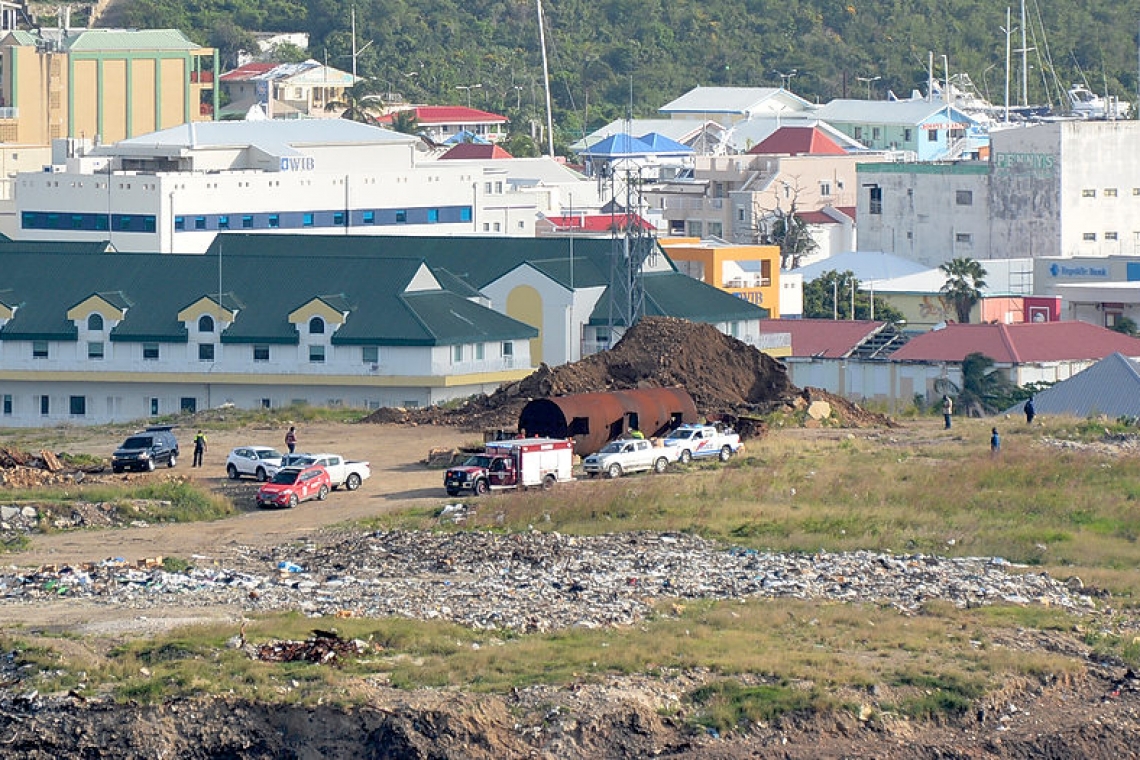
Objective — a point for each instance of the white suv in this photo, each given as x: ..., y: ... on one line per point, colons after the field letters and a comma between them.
x: 261, y: 462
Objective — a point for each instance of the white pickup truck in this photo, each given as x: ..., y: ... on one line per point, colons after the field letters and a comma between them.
x: 691, y: 442
x: 341, y: 472
x: 627, y: 455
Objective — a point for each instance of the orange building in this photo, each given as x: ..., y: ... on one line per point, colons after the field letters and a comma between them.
x: 751, y: 272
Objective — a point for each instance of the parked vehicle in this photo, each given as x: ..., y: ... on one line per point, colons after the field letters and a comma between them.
x: 261, y: 462
x: 146, y: 450
x: 517, y: 463
x: 293, y: 485
x: 623, y: 456
x: 341, y: 471
x: 701, y: 441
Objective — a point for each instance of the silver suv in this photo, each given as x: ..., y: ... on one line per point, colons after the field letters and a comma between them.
x: 146, y: 450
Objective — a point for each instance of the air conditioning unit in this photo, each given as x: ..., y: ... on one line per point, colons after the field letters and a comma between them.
x: 373, y: 367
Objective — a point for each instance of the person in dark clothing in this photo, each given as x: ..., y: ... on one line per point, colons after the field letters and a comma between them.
x: 199, y: 448
x: 291, y: 439
x: 1030, y: 411
x: 995, y: 442
x: 947, y: 411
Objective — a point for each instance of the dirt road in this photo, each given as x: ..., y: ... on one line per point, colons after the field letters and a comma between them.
x: 398, y: 480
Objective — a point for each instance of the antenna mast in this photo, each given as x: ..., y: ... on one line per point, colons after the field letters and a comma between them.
x: 546, y: 82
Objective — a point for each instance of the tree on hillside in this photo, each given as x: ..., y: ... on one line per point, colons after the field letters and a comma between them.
x: 965, y: 279
x: 405, y: 122
x: 829, y: 295
x: 983, y: 387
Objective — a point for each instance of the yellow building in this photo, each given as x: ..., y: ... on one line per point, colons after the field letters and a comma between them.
x: 105, y: 83
x: 751, y: 272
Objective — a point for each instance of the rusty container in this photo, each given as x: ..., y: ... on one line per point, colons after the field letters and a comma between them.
x: 594, y: 419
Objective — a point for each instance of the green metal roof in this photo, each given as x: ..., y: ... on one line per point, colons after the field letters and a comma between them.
x: 673, y: 294
x: 95, y: 40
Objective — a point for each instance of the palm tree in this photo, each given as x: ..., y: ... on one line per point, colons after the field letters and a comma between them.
x: 359, y: 104
x: 405, y: 122
x: 965, y: 279
x: 984, y: 388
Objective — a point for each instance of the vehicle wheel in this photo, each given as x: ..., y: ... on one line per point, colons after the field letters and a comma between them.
x: 548, y: 482
x: 452, y: 492
x: 353, y: 482
x: 172, y: 461
x: 660, y: 465
x: 592, y: 474
x: 323, y: 493
x: 686, y: 456
x: 292, y: 500
x: 150, y: 465
x: 480, y: 487
x: 232, y: 472
x: 117, y: 470
x: 614, y: 471
x: 262, y: 476
x: 725, y: 453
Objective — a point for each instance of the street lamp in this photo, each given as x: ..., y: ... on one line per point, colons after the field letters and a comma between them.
x: 869, y: 81
x: 469, y: 88
x: 518, y: 88
x: 785, y: 78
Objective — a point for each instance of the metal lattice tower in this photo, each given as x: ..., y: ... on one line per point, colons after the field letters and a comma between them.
x: 630, y: 247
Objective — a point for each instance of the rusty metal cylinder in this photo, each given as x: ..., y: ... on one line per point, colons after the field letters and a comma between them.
x: 594, y: 419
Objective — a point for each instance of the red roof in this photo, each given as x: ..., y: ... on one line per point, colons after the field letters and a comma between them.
x: 798, y: 141
x: 826, y: 338
x: 475, y: 150
x: 594, y: 222
x: 428, y: 115
x: 1018, y: 344
x: 248, y: 71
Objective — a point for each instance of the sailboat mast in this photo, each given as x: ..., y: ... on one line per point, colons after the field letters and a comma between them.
x: 1024, y: 61
x: 1008, y: 31
x: 546, y: 82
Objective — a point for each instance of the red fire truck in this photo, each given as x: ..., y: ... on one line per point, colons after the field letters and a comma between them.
x: 517, y: 463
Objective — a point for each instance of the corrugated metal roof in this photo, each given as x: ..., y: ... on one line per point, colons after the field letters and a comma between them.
x: 271, y: 134
x: 865, y: 265
x: 901, y: 112
x: 1111, y: 387
x: 798, y: 141
x: 729, y: 100
x: 1019, y: 344
x: 130, y: 39
x: 824, y: 338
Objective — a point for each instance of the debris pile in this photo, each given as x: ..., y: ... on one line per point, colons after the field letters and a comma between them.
x: 24, y: 469
x: 322, y: 648
x: 725, y: 376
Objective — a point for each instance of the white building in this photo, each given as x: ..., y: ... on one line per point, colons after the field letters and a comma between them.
x: 173, y: 191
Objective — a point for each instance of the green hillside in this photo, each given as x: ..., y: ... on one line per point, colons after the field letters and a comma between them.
x: 609, y: 55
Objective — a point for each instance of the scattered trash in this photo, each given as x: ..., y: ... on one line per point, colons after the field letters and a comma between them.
x: 323, y: 648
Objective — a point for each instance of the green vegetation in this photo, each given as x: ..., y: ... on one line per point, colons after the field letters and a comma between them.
x: 608, y: 58
x: 830, y: 296
x: 965, y: 279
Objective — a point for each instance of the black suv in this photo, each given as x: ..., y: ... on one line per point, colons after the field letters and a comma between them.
x: 146, y: 450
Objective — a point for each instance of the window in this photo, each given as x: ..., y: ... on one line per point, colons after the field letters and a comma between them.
x: 369, y: 217
x: 77, y: 406
x: 316, y: 326
x: 695, y: 229
x: 150, y: 351
x: 77, y: 221
x: 963, y: 237
x: 199, y: 222
x: 433, y: 215
x: 101, y: 223
x: 1088, y: 193
x: 716, y: 229
x: 45, y: 405
x: 457, y: 353
x: 370, y: 354
x: 508, y: 348
x: 1089, y: 237
x: 1110, y: 236
x: 188, y: 404
x: 338, y: 219
x: 487, y: 187
x: 465, y: 214
x: 154, y: 407
x: 741, y: 214
x: 205, y: 323
x: 95, y: 323
x: 932, y: 135
x: 964, y: 197
x: 307, y: 219
x: 223, y: 222
x: 7, y: 404
x: 499, y: 188
x: 1110, y: 192
x: 401, y: 217
x: 261, y: 353
x: 858, y: 133
x: 496, y: 225
x: 876, y: 133
x: 825, y: 189
x: 876, y: 206
x: 274, y: 221
x: 95, y: 349
x: 205, y: 352
x: 907, y: 134
x: 316, y: 354
x: 39, y: 349
x: 264, y: 403
x: 180, y: 223
x: 479, y: 348
x: 247, y: 222
x: 125, y: 222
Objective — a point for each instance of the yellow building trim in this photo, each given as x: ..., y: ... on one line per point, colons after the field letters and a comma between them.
x: 236, y: 378
x: 316, y: 308
x: 94, y: 305
x: 206, y: 305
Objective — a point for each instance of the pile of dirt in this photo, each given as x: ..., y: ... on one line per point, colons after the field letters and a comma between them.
x: 725, y: 376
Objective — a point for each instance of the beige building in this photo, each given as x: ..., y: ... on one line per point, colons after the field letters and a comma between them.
x: 108, y: 84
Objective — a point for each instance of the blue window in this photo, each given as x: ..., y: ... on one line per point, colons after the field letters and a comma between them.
x: 307, y: 220
x: 28, y: 220
x: 125, y: 222
x: 370, y: 217
x: 101, y: 223
x: 433, y: 215
x: 223, y: 222
x: 246, y: 222
x: 274, y: 220
x: 148, y: 223
x: 401, y: 217
x: 338, y: 219
x: 53, y: 221
x: 179, y: 222
x: 465, y: 214
x: 199, y: 222
x: 77, y: 221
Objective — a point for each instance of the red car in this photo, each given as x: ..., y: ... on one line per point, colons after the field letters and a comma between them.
x: 293, y: 485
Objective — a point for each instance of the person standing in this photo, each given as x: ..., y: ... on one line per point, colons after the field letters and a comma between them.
x: 291, y: 439
x: 1030, y: 411
x: 199, y: 449
x: 995, y: 442
x: 947, y: 411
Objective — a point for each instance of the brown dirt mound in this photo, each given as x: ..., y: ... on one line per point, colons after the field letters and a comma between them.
x: 727, y: 378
